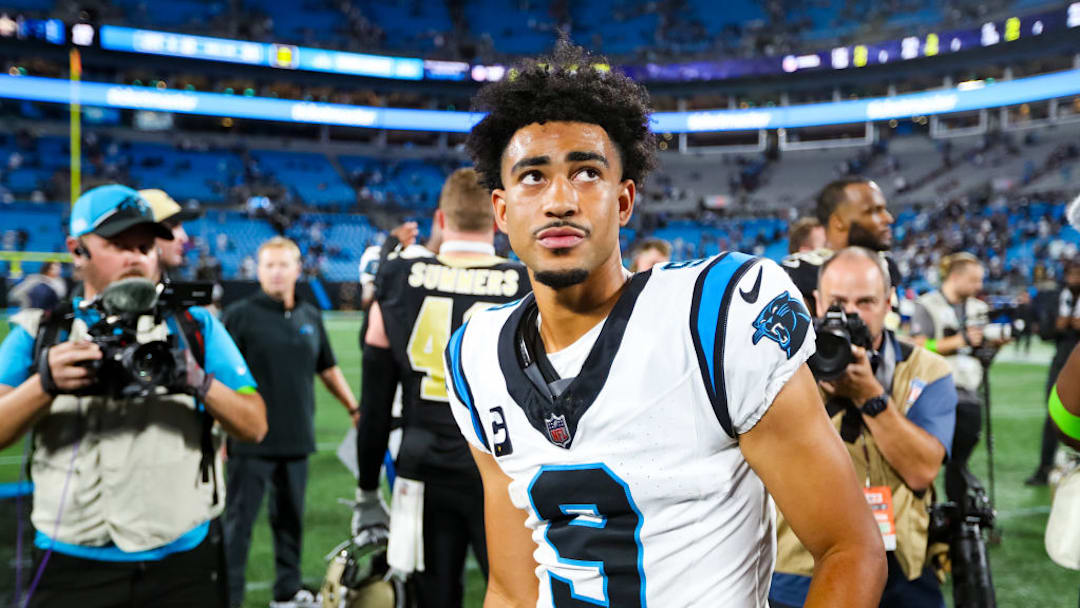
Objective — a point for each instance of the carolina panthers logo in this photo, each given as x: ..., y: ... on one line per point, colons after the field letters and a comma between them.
x: 136, y: 205
x: 784, y: 320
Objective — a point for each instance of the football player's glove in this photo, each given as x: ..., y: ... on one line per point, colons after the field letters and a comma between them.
x: 369, y: 511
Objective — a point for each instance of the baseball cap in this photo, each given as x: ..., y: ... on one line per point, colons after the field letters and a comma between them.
x: 165, y: 208
x: 109, y: 210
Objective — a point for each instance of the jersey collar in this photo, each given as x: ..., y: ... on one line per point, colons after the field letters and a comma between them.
x: 467, y: 247
x: 553, y: 416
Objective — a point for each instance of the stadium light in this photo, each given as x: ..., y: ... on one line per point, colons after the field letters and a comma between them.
x: 960, y: 99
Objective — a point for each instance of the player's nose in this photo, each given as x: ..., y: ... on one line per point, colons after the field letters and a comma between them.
x: 560, y: 200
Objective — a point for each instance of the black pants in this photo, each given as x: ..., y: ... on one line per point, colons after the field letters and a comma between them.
x: 1050, y: 433
x: 958, y: 478
x: 453, y: 520
x: 180, y: 580
x: 246, y: 480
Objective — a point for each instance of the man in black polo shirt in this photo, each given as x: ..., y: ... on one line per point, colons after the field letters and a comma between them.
x: 285, y: 344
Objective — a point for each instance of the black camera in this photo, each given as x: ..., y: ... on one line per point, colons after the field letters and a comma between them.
x: 129, y: 368
x: 962, y: 526
x: 837, y: 332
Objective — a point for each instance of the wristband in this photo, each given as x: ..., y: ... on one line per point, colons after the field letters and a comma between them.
x: 931, y: 345
x: 1063, y: 418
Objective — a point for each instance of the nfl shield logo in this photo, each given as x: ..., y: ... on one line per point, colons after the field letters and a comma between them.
x: 557, y: 431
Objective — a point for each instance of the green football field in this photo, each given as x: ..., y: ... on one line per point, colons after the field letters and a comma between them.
x: 1023, y: 574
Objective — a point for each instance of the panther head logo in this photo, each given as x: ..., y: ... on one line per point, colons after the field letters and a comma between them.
x: 135, y: 205
x: 785, y: 321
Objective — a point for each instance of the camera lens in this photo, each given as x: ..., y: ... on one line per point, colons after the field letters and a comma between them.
x: 150, y: 363
x: 832, y: 356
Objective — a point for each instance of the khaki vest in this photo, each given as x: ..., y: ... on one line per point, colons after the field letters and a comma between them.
x: 912, y: 511
x: 967, y: 371
x: 135, y: 480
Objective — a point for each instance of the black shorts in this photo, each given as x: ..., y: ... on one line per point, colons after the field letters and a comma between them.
x: 190, y: 578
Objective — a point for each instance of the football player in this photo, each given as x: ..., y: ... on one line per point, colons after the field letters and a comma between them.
x: 419, y: 303
x: 632, y: 431
x: 853, y: 211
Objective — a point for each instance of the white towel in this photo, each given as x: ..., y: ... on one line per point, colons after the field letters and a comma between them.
x: 405, y: 551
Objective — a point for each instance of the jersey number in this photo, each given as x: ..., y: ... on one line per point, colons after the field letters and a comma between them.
x: 593, y: 524
x: 428, y: 340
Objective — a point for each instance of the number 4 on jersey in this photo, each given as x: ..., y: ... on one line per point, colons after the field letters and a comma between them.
x: 428, y: 340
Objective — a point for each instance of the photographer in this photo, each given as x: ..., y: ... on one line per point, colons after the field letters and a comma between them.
x: 951, y: 322
x: 894, y: 406
x: 1062, y: 326
x: 127, y: 491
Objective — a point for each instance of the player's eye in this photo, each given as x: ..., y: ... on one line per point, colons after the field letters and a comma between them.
x: 532, y: 178
x: 588, y: 174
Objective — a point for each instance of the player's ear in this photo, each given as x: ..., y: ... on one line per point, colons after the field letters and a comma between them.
x: 626, y: 197
x: 440, y: 219
x: 837, y: 223
x: 498, y: 201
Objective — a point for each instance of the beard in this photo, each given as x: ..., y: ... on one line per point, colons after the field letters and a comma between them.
x: 559, y: 279
x: 861, y: 237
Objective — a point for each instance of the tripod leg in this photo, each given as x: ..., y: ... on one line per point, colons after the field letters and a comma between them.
x: 989, y: 433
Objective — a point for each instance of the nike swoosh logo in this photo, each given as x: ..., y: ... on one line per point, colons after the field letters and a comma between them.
x: 752, y: 295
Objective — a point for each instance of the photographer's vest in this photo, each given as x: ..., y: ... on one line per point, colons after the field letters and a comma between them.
x: 136, y: 478
x: 915, y: 368
x: 967, y: 371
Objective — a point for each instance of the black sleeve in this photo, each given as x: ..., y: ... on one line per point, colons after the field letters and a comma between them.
x: 804, y: 275
x: 380, y: 380
x: 231, y: 320
x: 326, y: 353
x: 389, y: 246
x: 895, y: 276
x: 382, y: 283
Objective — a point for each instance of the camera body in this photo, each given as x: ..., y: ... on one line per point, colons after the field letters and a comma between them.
x: 129, y: 368
x: 837, y: 332
x: 962, y: 527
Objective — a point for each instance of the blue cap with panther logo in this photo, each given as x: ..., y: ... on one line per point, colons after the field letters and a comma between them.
x: 109, y: 210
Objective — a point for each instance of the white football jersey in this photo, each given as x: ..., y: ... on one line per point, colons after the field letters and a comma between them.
x: 636, y: 491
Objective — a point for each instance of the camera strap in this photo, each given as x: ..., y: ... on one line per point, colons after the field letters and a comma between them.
x: 193, y: 335
x: 54, y: 322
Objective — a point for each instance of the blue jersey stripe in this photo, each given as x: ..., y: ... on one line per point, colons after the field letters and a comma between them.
x: 707, y: 327
x: 460, y: 384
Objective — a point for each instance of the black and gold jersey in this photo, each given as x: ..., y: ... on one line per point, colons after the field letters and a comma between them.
x: 803, y: 268
x: 423, y: 301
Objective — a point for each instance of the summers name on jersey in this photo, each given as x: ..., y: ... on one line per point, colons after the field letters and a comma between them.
x: 423, y: 300
x: 633, y: 481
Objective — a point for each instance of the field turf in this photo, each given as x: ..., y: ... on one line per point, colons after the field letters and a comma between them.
x: 1023, y: 574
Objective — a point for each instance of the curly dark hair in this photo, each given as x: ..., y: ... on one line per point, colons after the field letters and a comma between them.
x: 570, y: 85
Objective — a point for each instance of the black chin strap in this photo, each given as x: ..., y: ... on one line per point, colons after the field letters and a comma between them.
x: 533, y: 357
